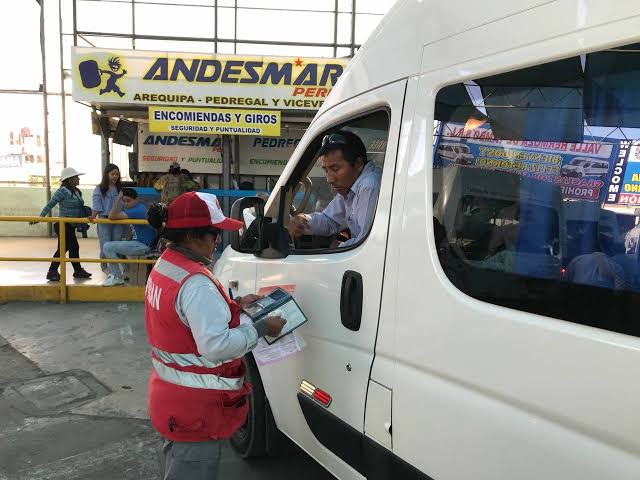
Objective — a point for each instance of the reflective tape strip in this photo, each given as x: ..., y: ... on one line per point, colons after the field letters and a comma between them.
x: 186, y: 359
x: 196, y: 380
x: 168, y: 269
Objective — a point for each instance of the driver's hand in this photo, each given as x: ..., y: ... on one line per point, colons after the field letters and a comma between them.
x: 274, y: 325
x: 298, y: 225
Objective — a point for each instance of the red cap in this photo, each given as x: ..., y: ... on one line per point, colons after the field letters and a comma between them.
x: 198, y: 210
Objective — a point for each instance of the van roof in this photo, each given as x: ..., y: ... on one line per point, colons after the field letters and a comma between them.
x: 424, y: 36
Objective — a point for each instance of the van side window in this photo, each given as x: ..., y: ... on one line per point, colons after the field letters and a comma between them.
x: 536, y: 181
x: 343, y: 188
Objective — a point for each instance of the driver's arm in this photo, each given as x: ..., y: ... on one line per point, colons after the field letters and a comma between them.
x: 331, y: 220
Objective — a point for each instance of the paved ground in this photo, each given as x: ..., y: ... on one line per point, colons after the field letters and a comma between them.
x: 72, y: 399
x: 34, y: 273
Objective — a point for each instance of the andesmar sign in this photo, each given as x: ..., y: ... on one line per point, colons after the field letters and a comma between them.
x: 214, y: 121
x: 204, y: 80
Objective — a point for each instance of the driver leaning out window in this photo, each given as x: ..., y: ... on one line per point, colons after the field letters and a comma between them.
x: 357, y: 184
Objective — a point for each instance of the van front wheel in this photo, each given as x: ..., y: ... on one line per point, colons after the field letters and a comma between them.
x: 250, y: 440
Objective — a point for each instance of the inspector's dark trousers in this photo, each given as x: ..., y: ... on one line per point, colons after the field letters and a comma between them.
x: 191, y: 460
x: 72, y: 246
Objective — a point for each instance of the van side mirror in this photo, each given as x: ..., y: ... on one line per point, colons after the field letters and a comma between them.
x: 250, y: 211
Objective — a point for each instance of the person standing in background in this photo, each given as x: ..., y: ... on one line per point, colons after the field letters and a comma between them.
x: 104, y: 196
x: 174, y: 184
x: 69, y: 198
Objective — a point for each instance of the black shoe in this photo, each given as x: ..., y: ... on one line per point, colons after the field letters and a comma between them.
x: 81, y: 274
x: 53, y: 276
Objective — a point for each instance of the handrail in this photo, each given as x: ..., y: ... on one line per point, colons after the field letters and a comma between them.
x: 63, y: 260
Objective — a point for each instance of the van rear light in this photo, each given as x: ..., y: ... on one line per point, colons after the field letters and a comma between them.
x: 323, y: 397
x: 319, y: 395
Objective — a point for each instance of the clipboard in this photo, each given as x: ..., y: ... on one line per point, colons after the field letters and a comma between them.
x: 278, y: 302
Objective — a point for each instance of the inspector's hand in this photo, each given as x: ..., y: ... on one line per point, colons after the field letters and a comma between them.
x: 248, y: 299
x: 298, y: 225
x: 274, y: 325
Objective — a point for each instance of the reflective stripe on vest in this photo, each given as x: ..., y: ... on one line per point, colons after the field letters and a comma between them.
x: 186, y: 359
x: 169, y: 270
x: 196, y: 380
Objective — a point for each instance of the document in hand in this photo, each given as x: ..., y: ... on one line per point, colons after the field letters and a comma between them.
x: 277, y: 303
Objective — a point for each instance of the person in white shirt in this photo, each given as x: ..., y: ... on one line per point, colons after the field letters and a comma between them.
x: 357, y: 184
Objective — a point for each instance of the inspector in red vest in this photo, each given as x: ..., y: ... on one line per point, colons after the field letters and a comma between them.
x: 191, y: 399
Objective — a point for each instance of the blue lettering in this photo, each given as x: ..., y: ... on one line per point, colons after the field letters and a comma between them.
x: 277, y: 74
x: 202, y: 71
x: 310, y: 70
x: 158, y: 71
x: 231, y: 68
x: 180, y: 67
x: 250, y: 67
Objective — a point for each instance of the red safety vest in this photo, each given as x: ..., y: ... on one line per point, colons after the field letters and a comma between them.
x: 190, y: 398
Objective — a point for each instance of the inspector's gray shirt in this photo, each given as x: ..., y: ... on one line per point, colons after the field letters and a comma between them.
x: 353, y: 211
x: 202, y: 308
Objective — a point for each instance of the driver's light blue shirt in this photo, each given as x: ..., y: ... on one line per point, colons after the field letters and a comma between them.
x: 354, y: 211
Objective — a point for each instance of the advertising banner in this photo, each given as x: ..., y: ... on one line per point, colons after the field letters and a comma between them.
x: 268, y: 156
x: 154, y: 78
x: 216, y: 121
x: 624, y: 186
x: 580, y: 169
x: 196, y: 153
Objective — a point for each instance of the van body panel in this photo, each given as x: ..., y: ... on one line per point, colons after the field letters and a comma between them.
x: 515, y: 395
x: 335, y: 359
x: 394, y: 49
x: 478, y: 390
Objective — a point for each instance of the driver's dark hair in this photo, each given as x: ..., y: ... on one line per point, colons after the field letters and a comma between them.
x: 157, y: 216
x: 351, y: 151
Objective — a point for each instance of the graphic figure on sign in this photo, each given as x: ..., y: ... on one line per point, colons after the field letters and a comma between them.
x: 91, y: 75
x: 114, y: 65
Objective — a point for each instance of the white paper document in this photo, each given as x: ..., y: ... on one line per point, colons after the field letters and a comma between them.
x: 283, y: 348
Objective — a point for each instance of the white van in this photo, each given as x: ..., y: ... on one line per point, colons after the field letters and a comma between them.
x: 458, y: 153
x: 422, y: 361
x: 585, y: 167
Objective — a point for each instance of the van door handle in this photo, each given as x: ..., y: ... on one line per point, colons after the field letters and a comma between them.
x: 351, y: 300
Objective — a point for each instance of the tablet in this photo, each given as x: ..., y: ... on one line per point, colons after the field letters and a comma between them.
x: 277, y: 303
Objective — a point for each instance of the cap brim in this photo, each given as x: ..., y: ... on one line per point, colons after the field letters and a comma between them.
x: 229, y: 224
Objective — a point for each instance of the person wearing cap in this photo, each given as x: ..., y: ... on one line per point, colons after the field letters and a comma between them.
x: 71, y: 204
x: 356, y: 183
x: 174, y: 183
x: 197, y: 394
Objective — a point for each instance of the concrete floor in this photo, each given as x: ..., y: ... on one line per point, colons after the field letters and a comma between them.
x: 33, y: 273
x: 73, y: 396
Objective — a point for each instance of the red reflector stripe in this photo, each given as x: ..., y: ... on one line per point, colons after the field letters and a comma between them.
x: 323, y: 397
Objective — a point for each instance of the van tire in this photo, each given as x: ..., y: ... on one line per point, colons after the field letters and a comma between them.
x: 250, y: 440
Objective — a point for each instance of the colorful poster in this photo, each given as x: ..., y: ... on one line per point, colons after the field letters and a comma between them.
x: 214, y: 121
x: 102, y: 76
x: 196, y: 153
x: 580, y: 169
x: 624, y: 185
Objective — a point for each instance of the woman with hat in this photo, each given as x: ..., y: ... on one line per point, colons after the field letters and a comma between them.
x: 197, y: 393
x: 69, y: 199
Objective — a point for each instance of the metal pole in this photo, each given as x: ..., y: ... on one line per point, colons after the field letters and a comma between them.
x: 133, y: 24
x: 335, y: 30
x: 215, y: 27
x: 353, y: 27
x: 62, y: 239
x: 45, y: 108
x: 226, y: 181
x: 236, y: 158
x: 64, y: 95
x: 75, y: 24
x: 235, y: 27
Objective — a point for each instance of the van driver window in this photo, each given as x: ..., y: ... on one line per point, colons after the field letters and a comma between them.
x: 335, y: 198
x: 536, y: 181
